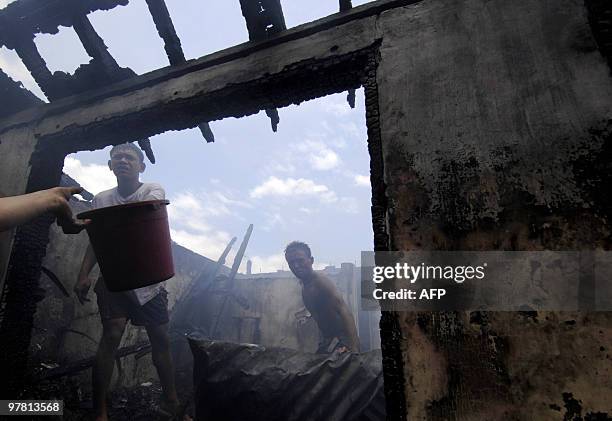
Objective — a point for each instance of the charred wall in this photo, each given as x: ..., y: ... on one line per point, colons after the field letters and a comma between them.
x: 495, y: 126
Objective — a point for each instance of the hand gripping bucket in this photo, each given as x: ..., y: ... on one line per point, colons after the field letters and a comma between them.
x: 132, y: 243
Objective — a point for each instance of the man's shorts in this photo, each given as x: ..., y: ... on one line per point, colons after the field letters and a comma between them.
x: 115, y: 305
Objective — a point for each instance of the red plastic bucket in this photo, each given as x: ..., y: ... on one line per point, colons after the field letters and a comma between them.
x: 132, y: 243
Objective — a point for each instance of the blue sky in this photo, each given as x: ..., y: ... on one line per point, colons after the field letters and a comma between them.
x: 309, y: 181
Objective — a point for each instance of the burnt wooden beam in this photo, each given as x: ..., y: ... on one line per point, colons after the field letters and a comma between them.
x: 98, y: 51
x: 14, y: 96
x: 165, y: 29
x: 28, y: 53
x: 350, y: 97
x: 179, y: 88
x: 86, y: 363
x: 207, y: 132
x: 345, y: 5
x: 93, y: 43
x: 46, y: 16
x: 70, y: 13
x: 172, y: 45
x: 263, y: 19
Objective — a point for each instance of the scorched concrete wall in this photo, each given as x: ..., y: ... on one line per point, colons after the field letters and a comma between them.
x: 495, y: 124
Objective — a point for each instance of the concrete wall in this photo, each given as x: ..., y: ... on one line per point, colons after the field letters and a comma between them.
x: 496, y: 123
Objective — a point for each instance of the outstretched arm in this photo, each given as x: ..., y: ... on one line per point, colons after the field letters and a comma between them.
x: 17, y: 210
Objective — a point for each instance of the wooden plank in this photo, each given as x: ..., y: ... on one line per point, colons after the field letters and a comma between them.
x: 33, y: 61
x: 45, y: 16
x: 93, y: 43
x: 165, y: 29
x: 172, y: 45
x: 86, y: 363
x: 345, y: 5
x: 214, y: 72
x: 95, y: 47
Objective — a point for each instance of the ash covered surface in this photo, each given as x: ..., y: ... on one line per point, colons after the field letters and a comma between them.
x: 138, y: 403
x: 237, y: 382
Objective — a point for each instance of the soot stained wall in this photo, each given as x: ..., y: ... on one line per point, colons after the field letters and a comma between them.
x: 496, y: 124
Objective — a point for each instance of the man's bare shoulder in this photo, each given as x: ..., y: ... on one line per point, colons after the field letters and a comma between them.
x: 326, y: 285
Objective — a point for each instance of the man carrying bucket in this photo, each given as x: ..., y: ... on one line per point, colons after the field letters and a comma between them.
x: 147, y: 306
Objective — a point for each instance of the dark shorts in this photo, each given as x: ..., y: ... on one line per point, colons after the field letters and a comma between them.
x: 116, y: 305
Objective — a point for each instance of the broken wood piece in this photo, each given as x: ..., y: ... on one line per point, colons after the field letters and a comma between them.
x: 274, y: 118
x: 85, y: 363
x: 230, y: 281
x: 172, y: 45
x: 165, y: 29
x: 93, y: 43
x: 55, y: 280
x: 145, y: 145
x: 36, y: 65
x: 263, y: 19
x: 350, y: 97
x: 207, y: 132
x: 345, y: 5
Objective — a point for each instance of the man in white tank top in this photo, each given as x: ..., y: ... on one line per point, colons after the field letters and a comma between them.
x: 147, y: 306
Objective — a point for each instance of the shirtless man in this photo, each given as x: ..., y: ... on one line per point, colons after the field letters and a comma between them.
x: 324, y: 302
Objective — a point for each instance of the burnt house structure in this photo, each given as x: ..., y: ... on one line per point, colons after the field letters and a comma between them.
x: 489, y: 128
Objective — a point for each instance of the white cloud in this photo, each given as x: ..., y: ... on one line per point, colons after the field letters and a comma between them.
x: 190, y: 224
x: 324, y: 160
x: 264, y: 264
x: 274, y: 221
x: 321, y: 157
x: 282, y: 167
x: 362, y: 180
x: 187, y: 211
x: 274, y: 186
x: 192, y: 209
x: 335, y: 105
x: 210, y: 244
x: 93, y: 177
x: 349, y: 205
x: 222, y: 198
x: 351, y: 130
x: 4, y: 3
